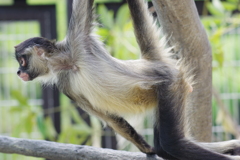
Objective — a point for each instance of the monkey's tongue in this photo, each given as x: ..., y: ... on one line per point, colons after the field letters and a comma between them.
x: 24, y: 76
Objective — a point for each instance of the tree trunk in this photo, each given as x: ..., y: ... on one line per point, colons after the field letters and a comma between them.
x: 180, y: 21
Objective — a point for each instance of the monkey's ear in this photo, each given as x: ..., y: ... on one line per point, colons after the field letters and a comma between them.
x: 39, y: 50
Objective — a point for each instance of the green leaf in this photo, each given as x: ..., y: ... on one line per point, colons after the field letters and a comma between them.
x: 23, y: 101
x: 123, y: 16
x: 82, y: 129
x: 62, y: 136
x: 28, y: 121
x: 215, y: 10
x: 17, y: 130
x: 218, y: 55
x: 103, y: 32
x: 234, y: 1
x: 50, y: 130
x: 41, y: 125
x: 217, y: 35
x: 76, y: 117
x: 15, y: 109
x: 106, y: 17
x: 229, y: 6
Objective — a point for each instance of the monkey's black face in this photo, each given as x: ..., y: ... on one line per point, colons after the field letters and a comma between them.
x: 23, y: 65
x: 24, y: 71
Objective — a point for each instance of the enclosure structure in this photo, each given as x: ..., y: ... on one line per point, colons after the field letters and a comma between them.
x: 17, y: 23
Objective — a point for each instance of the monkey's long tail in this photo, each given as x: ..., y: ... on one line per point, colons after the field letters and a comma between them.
x: 170, y: 141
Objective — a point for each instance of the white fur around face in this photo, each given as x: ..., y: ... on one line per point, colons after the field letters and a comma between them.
x: 49, y: 79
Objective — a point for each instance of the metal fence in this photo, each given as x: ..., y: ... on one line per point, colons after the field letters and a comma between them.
x: 12, y: 33
x: 226, y: 97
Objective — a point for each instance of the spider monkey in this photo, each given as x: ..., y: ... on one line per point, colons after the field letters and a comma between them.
x: 108, y: 88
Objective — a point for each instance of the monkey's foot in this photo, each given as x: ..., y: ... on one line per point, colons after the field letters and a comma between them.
x: 234, y: 149
x: 148, y: 150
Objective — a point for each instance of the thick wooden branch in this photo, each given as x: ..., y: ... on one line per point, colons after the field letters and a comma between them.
x: 180, y: 21
x: 60, y: 151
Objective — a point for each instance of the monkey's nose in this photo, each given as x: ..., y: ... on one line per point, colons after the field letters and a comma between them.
x: 18, y: 72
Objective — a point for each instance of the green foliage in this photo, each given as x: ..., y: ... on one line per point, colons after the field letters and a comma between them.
x: 61, y: 14
x: 32, y: 119
x: 5, y: 2
x: 77, y: 132
x: 117, y: 33
x: 222, y: 27
x: 221, y: 22
x: 219, y: 8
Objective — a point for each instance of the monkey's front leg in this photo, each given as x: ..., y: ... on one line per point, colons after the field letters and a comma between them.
x: 118, y: 124
x: 231, y: 147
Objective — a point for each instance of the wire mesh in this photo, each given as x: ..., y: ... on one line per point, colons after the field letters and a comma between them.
x: 12, y: 89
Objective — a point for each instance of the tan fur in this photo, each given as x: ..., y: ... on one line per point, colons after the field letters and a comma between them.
x: 145, y: 98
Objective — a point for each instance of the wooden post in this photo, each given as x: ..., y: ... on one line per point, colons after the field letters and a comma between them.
x: 180, y: 21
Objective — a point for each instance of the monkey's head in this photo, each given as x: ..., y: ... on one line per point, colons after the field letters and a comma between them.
x: 32, y: 56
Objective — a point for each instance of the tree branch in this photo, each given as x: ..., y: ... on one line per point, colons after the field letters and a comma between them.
x: 180, y: 21
x: 60, y: 151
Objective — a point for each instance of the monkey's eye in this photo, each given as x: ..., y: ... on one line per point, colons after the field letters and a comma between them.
x: 22, y: 62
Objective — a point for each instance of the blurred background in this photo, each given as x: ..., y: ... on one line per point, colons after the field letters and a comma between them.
x: 28, y: 110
